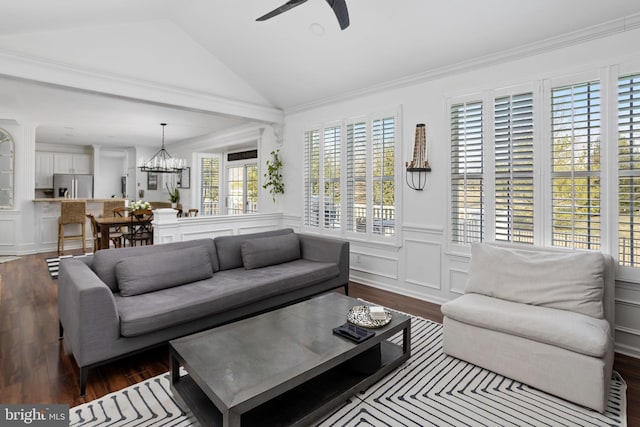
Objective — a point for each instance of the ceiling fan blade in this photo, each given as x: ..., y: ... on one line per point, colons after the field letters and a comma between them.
x: 288, y: 5
x: 340, y: 9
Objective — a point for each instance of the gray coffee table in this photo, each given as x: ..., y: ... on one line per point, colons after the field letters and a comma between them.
x: 285, y: 367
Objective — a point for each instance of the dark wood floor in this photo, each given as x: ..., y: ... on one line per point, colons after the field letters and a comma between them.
x: 34, y: 368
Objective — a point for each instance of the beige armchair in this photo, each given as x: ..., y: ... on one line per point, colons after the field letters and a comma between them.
x: 541, y: 316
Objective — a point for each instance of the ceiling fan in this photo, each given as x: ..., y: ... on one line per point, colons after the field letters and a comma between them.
x: 339, y: 8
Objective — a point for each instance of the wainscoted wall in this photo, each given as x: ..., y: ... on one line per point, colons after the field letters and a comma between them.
x: 420, y: 267
x: 628, y: 318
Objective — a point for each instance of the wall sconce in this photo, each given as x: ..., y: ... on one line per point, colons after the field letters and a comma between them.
x: 416, y: 175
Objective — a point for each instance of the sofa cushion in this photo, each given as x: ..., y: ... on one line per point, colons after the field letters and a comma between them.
x: 228, y: 247
x: 104, y: 262
x: 267, y: 251
x: 142, y: 274
x: 572, y: 331
x: 224, y: 291
x: 572, y: 281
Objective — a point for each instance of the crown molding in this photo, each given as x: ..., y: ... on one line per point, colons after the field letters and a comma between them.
x: 20, y: 66
x: 606, y: 29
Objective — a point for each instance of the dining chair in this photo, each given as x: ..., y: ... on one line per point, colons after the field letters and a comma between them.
x: 72, y: 212
x: 116, y: 237
x: 192, y: 212
x: 109, y: 205
x: 141, y: 228
x: 119, y: 211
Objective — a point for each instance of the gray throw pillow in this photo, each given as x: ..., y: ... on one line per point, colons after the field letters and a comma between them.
x: 267, y: 251
x: 142, y: 274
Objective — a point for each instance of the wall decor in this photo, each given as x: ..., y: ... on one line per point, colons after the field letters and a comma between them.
x: 185, y: 178
x: 152, y: 181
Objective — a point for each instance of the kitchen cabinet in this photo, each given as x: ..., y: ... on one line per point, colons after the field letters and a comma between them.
x: 71, y: 163
x: 44, y: 169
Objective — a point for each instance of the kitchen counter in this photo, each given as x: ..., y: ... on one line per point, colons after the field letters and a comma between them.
x: 62, y: 199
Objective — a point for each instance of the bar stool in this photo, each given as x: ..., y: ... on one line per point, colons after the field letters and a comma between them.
x: 72, y: 212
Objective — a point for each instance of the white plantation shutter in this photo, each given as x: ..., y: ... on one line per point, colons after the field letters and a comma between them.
x: 383, y: 173
x: 629, y: 170
x: 331, y: 177
x: 575, y: 126
x: 356, y: 201
x: 513, y: 129
x: 467, y: 206
x: 312, y: 178
x: 210, y: 185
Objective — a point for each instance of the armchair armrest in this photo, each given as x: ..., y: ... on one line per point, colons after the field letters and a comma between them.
x: 87, y: 312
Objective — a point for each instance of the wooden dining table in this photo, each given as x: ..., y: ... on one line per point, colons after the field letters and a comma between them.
x: 105, y: 224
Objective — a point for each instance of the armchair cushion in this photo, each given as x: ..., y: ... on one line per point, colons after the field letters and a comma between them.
x: 268, y: 251
x: 560, y: 328
x: 142, y: 274
x: 567, y: 281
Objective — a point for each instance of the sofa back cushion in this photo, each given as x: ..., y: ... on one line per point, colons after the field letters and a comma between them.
x: 104, y: 262
x: 148, y: 273
x: 571, y: 281
x: 267, y: 251
x: 228, y: 247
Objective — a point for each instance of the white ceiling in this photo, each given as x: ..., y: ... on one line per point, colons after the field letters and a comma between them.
x: 293, y: 59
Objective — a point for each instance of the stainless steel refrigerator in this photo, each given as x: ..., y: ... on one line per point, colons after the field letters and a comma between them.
x: 73, y: 186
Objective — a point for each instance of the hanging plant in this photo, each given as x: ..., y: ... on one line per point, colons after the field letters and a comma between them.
x: 273, y: 176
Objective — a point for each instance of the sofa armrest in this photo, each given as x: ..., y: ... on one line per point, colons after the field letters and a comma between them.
x: 323, y: 249
x: 87, y: 312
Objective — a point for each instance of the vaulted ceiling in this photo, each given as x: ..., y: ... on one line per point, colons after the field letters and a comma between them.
x: 293, y: 60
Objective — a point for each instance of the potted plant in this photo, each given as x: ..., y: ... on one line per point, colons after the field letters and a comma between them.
x: 174, y: 196
x: 273, y: 176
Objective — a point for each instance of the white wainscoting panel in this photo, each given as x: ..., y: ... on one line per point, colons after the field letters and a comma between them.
x: 206, y: 234
x: 457, y: 280
x: 379, y: 265
x: 422, y: 263
x: 248, y: 229
x: 8, y: 232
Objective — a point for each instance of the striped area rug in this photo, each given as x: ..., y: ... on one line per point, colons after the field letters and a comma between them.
x: 53, y: 264
x: 431, y: 389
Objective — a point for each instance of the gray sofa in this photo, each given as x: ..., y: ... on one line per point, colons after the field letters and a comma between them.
x: 121, y: 301
x: 541, y: 316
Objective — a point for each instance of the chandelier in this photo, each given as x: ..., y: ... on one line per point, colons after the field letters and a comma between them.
x: 162, y: 162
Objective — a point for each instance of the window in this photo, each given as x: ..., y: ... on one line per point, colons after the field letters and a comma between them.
x: 467, y: 206
x: 629, y: 170
x: 383, y: 143
x: 210, y: 185
x: 242, y: 189
x: 575, y: 165
x: 332, y: 177
x: 354, y: 158
x: 312, y: 178
x: 513, y: 147
x: 357, y: 177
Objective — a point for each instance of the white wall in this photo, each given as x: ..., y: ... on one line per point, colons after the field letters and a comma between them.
x: 157, y: 51
x: 422, y: 265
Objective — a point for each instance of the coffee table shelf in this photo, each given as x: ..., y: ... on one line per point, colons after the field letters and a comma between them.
x: 297, y: 396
